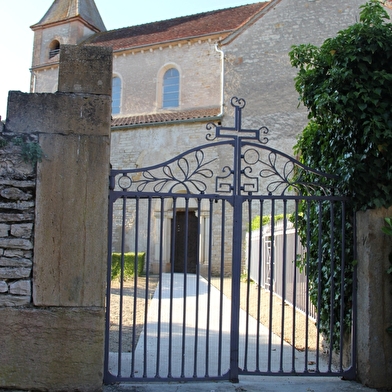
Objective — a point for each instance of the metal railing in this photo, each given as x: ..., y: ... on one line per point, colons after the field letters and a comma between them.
x: 293, y: 290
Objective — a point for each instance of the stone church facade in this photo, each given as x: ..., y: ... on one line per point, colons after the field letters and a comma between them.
x: 170, y: 78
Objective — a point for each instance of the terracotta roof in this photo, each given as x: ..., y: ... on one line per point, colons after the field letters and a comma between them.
x: 207, y: 23
x: 63, y: 10
x: 198, y: 114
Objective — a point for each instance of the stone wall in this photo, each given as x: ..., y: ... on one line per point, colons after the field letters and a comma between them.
x: 17, y: 206
x: 258, y: 69
x: 53, y: 315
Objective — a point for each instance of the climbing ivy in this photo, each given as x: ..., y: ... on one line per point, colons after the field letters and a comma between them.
x: 346, y: 84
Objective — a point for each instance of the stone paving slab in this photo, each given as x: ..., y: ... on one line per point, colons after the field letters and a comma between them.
x: 185, y: 357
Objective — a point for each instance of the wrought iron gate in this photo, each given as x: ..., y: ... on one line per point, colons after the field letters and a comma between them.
x: 232, y: 269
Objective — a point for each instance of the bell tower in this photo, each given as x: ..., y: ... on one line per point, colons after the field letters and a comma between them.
x: 66, y: 22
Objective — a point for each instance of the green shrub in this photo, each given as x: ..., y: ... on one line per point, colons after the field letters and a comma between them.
x: 346, y: 86
x: 129, y: 264
x: 266, y: 219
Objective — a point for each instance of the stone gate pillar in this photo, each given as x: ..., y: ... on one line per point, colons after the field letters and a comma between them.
x: 374, y: 300
x: 57, y: 343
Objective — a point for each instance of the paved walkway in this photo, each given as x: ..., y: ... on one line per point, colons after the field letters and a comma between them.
x: 190, y: 356
x: 248, y: 384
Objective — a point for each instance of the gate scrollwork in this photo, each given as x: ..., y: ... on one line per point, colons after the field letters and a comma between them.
x: 236, y: 161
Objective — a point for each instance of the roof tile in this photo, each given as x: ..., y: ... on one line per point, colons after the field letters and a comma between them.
x: 207, y: 23
x: 166, y: 117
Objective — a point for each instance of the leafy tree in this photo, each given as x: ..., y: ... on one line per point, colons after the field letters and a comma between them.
x: 346, y: 84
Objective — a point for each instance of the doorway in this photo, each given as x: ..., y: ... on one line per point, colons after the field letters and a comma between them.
x: 186, y: 242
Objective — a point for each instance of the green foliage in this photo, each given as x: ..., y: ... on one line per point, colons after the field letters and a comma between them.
x: 31, y: 151
x: 130, y: 261
x: 255, y: 224
x: 346, y: 84
x: 325, y: 263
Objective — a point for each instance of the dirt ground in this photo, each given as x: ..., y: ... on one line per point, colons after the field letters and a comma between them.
x: 258, y: 299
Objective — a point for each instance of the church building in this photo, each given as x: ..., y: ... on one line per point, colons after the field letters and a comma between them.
x: 172, y: 77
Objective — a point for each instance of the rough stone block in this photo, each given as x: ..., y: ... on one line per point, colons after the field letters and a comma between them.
x: 8, y: 217
x: 14, y: 273
x: 15, y: 262
x: 18, y: 205
x: 3, y: 286
x: 61, y: 113
x: 16, y: 243
x: 14, y: 301
x: 4, y: 230
x: 81, y: 69
x: 71, y: 225
x: 22, y: 230
x: 28, y: 254
x: 21, y: 287
x: 15, y: 194
x: 58, y: 349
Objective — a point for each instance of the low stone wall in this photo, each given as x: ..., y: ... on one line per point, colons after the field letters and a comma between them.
x: 17, y: 206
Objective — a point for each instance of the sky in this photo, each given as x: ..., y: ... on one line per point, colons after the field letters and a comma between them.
x: 16, y: 37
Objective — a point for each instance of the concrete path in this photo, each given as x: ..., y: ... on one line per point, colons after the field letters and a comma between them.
x: 248, y: 384
x: 190, y: 356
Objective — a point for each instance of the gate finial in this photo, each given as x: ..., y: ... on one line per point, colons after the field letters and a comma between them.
x: 240, y: 133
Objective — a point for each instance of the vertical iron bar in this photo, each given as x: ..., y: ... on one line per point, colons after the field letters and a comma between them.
x: 248, y: 285
x: 332, y: 280
x: 222, y: 270
x: 183, y: 343
x: 135, y: 276
x: 172, y: 260
x: 146, y: 298
x: 260, y: 263
x: 271, y: 284
x: 307, y: 284
x: 121, y: 299
x: 342, y: 293
x: 208, y: 310
x: 295, y: 286
x: 236, y: 254
x: 157, y: 363
x: 195, y: 351
x: 108, y: 282
x: 320, y: 287
x: 283, y: 281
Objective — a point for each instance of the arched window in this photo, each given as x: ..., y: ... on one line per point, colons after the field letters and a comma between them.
x: 116, y: 95
x: 171, y: 88
x: 54, y: 48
